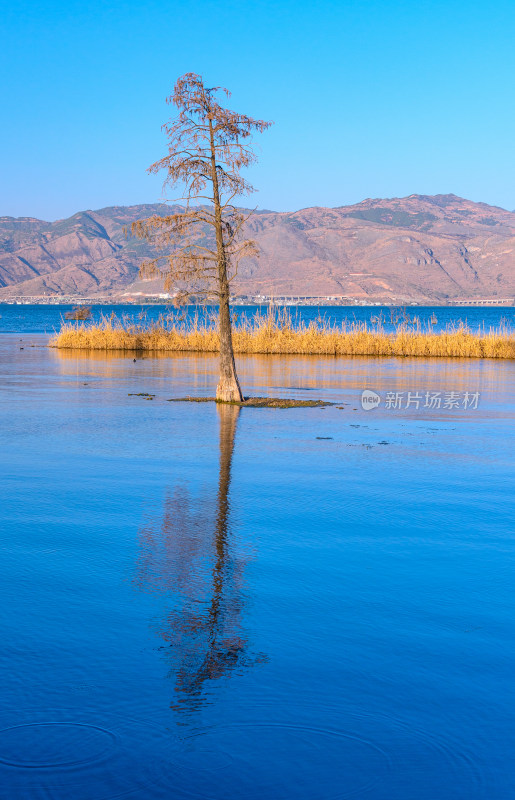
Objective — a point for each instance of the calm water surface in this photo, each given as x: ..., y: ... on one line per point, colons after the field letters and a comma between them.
x: 301, y: 604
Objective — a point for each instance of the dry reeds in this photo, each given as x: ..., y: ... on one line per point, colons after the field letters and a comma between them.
x: 278, y: 333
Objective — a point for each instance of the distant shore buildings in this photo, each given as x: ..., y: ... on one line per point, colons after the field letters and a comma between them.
x: 158, y: 298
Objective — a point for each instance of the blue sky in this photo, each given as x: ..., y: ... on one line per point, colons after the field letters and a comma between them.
x: 369, y: 98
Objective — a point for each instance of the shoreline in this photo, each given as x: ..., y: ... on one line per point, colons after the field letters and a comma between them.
x: 325, y: 302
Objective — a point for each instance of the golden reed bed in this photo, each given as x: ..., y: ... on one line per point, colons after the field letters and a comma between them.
x: 277, y: 333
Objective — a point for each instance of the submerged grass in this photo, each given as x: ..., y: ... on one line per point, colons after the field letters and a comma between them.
x: 256, y: 402
x: 277, y: 332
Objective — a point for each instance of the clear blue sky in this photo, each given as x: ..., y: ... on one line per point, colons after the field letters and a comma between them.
x: 375, y: 98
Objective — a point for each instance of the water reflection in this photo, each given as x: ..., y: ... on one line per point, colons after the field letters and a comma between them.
x: 193, y: 555
x: 178, y: 373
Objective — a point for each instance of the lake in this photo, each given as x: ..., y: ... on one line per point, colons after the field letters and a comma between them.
x: 297, y: 604
x: 48, y: 318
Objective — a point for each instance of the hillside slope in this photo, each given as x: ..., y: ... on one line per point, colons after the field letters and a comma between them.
x: 418, y: 248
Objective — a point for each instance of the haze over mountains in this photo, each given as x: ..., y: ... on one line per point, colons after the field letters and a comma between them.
x: 419, y: 248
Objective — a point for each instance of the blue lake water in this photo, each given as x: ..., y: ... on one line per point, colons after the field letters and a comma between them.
x: 48, y: 319
x: 300, y: 604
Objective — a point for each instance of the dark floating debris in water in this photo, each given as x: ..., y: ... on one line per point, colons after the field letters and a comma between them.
x: 256, y: 402
x: 324, y: 437
x: 141, y: 394
x: 79, y: 313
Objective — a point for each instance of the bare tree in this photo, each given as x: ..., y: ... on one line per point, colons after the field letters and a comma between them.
x: 200, y: 245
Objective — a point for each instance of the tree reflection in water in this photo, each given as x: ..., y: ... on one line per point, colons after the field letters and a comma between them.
x: 192, y: 556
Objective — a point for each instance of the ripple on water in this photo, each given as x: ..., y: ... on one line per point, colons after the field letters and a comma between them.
x: 96, y: 756
x: 428, y: 761
x: 280, y: 761
x: 84, y: 756
x: 48, y: 745
x: 370, y: 756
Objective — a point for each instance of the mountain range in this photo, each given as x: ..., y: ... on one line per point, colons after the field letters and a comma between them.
x: 434, y: 249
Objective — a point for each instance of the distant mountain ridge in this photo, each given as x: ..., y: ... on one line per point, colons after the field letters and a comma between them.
x: 413, y: 249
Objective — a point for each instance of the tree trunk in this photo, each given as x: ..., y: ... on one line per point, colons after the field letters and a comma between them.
x: 228, y: 389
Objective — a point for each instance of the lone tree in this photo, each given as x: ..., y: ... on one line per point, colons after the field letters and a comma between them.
x: 200, y: 245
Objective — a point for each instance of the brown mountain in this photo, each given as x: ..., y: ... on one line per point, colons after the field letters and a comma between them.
x: 417, y: 248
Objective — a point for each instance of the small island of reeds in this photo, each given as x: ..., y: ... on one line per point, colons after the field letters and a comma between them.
x: 278, y: 332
